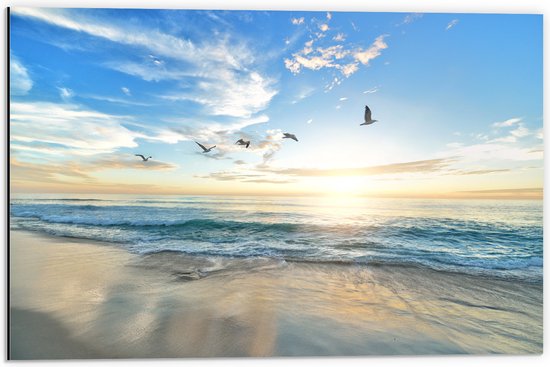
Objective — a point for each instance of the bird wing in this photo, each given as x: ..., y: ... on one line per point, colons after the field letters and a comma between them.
x: 286, y: 135
x: 247, y: 143
x: 239, y: 141
x: 202, y: 146
x: 139, y: 155
x: 294, y: 137
x: 368, y: 114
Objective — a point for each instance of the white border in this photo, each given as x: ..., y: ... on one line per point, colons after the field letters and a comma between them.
x: 428, y: 6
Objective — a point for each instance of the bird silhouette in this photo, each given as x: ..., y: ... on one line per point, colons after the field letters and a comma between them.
x: 204, y: 149
x: 368, y: 117
x: 142, y: 157
x: 289, y: 136
x: 243, y: 142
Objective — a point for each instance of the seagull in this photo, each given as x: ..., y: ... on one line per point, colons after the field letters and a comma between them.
x: 142, y: 157
x: 242, y: 142
x: 205, y: 150
x: 368, y: 119
x: 290, y: 136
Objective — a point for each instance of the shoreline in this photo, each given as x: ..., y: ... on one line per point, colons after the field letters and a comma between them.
x: 370, y: 264
x: 104, y: 302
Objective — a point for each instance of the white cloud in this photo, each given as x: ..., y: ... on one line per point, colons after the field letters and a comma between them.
x: 309, y: 121
x: 364, y: 57
x: 507, y: 123
x: 520, y: 131
x: 115, y: 100
x: 297, y: 21
x: 451, y: 24
x: 340, y: 37
x: 65, y: 93
x: 342, y: 57
x: 337, y: 56
x: 492, y: 151
x: 20, y: 81
x: 410, y: 18
x: 147, y: 72
x: 229, y: 85
x: 126, y: 91
x: 303, y: 94
x: 343, y: 98
x: 349, y: 69
x: 232, y: 94
x: 86, y: 132
x: 372, y: 90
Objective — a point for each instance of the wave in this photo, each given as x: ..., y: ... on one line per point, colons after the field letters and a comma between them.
x: 64, y: 199
x: 246, y: 262
x: 151, y: 223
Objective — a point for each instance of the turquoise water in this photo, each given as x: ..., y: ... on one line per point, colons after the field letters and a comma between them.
x: 482, y: 237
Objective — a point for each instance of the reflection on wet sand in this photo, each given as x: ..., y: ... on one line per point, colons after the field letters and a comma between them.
x: 107, y: 303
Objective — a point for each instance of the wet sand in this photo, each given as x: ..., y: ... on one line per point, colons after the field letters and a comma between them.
x: 73, y: 299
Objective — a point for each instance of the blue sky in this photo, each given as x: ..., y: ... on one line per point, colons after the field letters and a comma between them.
x: 458, y: 98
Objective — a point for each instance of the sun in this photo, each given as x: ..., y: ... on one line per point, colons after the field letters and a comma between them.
x: 344, y: 185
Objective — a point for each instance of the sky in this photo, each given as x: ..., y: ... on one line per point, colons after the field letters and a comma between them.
x: 458, y: 99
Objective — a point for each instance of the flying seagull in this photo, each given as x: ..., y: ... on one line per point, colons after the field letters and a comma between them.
x: 368, y: 117
x: 142, y: 157
x: 205, y: 150
x: 290, y: 136
x: 242, y: 142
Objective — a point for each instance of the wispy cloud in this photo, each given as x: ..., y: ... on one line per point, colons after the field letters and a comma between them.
x: 481, y: 171
x: 451, y: 24
x: 340, y: 37
x: 228, y: 83
x: 126, y: 91
x: 303, y: 94
x: 83, y: 131
x: 337, y: 56
x: 245, y: 178
x: 494, y: 150
x: 430, y: 165
x: 71, y: 177
x: 518, y: 132
x: 372, y: 90
x: 320, y: 52
x: 233, y: 94
x: 410, y: 18
x: 532, y: 192
x: 297, y: 21
x: 65, y: 93
x: 507, y: 123
x: 115, y: 100
x: 20, y: 81
x: 375, y: 50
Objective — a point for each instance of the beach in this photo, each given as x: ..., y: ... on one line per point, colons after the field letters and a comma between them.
x: 74, y: 298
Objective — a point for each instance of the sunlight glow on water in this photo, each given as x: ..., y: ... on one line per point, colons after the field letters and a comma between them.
x: 502, y: 238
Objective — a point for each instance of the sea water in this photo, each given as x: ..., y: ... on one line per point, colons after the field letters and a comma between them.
x: 493, y: 238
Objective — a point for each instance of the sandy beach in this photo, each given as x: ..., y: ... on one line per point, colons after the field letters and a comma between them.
x: 72, y: 299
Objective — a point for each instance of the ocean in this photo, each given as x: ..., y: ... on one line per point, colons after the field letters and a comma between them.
x: 502, y: 239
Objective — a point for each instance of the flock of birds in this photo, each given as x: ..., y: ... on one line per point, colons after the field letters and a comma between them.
x: 246, y: 143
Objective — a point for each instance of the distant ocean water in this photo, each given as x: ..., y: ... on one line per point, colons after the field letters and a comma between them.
x: 479, y: 237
